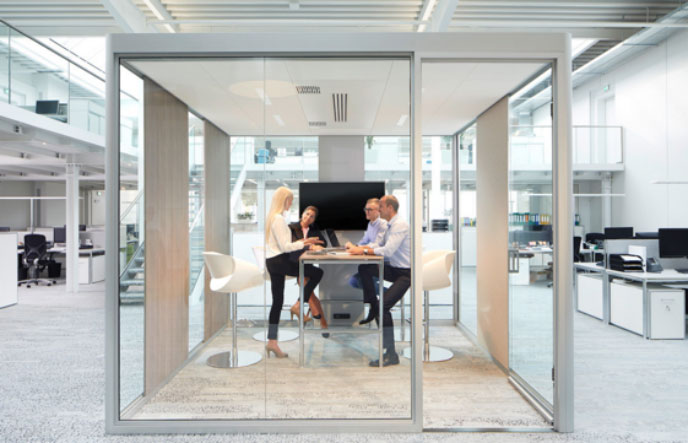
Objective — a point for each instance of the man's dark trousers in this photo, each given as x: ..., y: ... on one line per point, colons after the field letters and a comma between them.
x: 401, y: 281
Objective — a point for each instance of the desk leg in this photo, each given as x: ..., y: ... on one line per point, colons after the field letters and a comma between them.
x: 606, y: 298
x: 646, y: 312
x: 381, y: 322
x: 301, y: 332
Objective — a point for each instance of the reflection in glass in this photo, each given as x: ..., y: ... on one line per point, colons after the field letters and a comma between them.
x: 468, y: 245
x: 531, y: 321
x: 196, y: 230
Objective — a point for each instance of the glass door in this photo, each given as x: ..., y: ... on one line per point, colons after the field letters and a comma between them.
x: 531, y: 258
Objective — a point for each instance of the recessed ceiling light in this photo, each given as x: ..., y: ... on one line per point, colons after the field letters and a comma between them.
x: 402, y: 120
x: 279, y: 120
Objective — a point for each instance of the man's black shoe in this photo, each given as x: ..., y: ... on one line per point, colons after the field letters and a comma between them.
x: 389, y: 359
x: 371, y: 316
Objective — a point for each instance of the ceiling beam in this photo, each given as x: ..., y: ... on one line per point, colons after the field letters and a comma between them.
x: 442, y: 15
x: 128, y: 16
x: 159, y: 10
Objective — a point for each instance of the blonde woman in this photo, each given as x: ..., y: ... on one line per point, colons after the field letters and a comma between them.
x: 278, y: 245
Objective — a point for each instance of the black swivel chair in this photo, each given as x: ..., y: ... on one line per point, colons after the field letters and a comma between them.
x: 34, y: 258
x: 596, y: 238
x: 576, y: 249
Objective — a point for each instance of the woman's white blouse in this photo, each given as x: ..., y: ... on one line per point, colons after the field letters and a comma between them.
x: 279, y: 240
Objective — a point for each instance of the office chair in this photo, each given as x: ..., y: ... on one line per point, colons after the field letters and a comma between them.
x: 598, y: 239
x: 34, y: 258
x: 576, y: 249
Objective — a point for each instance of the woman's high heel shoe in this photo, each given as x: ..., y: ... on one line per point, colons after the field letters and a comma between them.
x: 294, y: 311
x: 278, y: 353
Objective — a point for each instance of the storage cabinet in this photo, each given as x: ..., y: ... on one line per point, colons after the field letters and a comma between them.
x: 666, y: 310
x: 590, y: 293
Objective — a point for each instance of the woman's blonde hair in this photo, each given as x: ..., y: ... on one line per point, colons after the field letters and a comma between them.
x: 278, y: 205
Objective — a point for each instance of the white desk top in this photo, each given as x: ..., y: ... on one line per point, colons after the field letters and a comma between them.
x: 589, y: 266
x: 665, y: 275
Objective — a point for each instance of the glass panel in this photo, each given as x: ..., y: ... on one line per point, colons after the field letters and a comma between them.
x: 196, y: 231
x: 530, y: 242
x: 468, y: 244
x: 86, y: 101
x: 438, y: 197
x: 39, y: 78
x: 131, y: 241
x: 4, y: 63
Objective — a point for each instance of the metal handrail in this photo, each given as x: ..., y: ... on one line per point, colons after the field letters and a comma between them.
x: 136, y: 253
x: 51, y: 50
x: 197, y: 218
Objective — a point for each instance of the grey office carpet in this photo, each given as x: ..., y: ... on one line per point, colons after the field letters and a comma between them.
x: 52, y: 382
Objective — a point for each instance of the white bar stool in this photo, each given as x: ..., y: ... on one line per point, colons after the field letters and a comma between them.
x: 436, y: 268
x: 231, y: 275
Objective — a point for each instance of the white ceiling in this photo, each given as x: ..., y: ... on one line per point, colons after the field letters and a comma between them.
x: 232, y: 93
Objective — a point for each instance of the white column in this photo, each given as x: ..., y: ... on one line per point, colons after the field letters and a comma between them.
x: 436, y: 203
x: 607, y: 200
x: 72, y: 223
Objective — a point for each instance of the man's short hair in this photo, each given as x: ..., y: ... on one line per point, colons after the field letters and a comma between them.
x: 312, y: 208
x: 392, y: 201
x: 374, y: 200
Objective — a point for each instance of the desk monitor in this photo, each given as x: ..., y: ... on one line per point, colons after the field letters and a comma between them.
x: 47, y: 106
x: 673, y: 242
x: 340, y: 204
x: 618, y: 233
x: 60, y: 235
x: 4, y: 229
x: 82, y: 228
x: 647, y: 235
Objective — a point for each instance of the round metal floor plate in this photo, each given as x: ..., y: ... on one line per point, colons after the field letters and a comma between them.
x: 282, y: 335
x: 436, y: 354
x: 224, y: 359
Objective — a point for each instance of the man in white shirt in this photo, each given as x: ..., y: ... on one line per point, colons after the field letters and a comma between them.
x: 396, y: 248
x: 374, y: 234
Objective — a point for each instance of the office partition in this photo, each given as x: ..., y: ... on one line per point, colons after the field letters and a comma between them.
x: 406, y: 390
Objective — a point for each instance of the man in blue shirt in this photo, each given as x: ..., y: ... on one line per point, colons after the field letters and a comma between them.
x: 396, y: 248
x: 374, y: 234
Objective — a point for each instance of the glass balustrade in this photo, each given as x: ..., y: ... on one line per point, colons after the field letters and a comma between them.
x: 38, y: 79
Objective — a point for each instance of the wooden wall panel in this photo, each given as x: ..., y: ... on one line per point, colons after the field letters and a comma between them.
x: 492, y: 185
x: 166, y: 194
x: 217, y: 194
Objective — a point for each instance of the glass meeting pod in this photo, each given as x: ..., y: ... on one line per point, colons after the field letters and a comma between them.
x: 414, y: 49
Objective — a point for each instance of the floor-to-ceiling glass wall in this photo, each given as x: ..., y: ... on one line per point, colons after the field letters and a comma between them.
x: 297, y: 124
x: 131, y: 238
x: 467, y: 221
x: 531, y: 246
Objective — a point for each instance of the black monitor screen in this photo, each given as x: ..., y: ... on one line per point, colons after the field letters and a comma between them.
x: 617, y: 233
x: 59, y: 235
x: 647, y: 235
x: 673, y: 242
x: 47, y: 106
x: 340, y: 204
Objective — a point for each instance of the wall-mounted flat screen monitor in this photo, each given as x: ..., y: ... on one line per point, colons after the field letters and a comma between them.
x: 673, y: 242
x: 59, y: 235
x: 340, y: 204
x: 47, y: 106
x: 618, y: 233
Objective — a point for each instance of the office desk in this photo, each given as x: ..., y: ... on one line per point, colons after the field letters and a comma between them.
x: 8, y: 269
x: 590, y: 294
x: 522, y: 276
x: 91, y: 263
x: 664, y: 277
x: 333, y: 259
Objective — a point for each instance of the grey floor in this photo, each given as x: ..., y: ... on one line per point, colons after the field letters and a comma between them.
x: 52, y: 381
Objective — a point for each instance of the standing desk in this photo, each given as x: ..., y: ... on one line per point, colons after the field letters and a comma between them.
x: 338, y: 258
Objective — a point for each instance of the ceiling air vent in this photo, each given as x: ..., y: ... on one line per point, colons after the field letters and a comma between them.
x: 308, y: 89
x: 339, y: 104
x: 317, y: 124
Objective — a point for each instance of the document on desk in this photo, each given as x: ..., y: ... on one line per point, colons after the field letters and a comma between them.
x: 338, y: 253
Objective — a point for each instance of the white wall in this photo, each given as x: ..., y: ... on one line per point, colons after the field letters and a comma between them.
x: 341, y: 158
x: 651, y: 103
x: 15, y: 213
